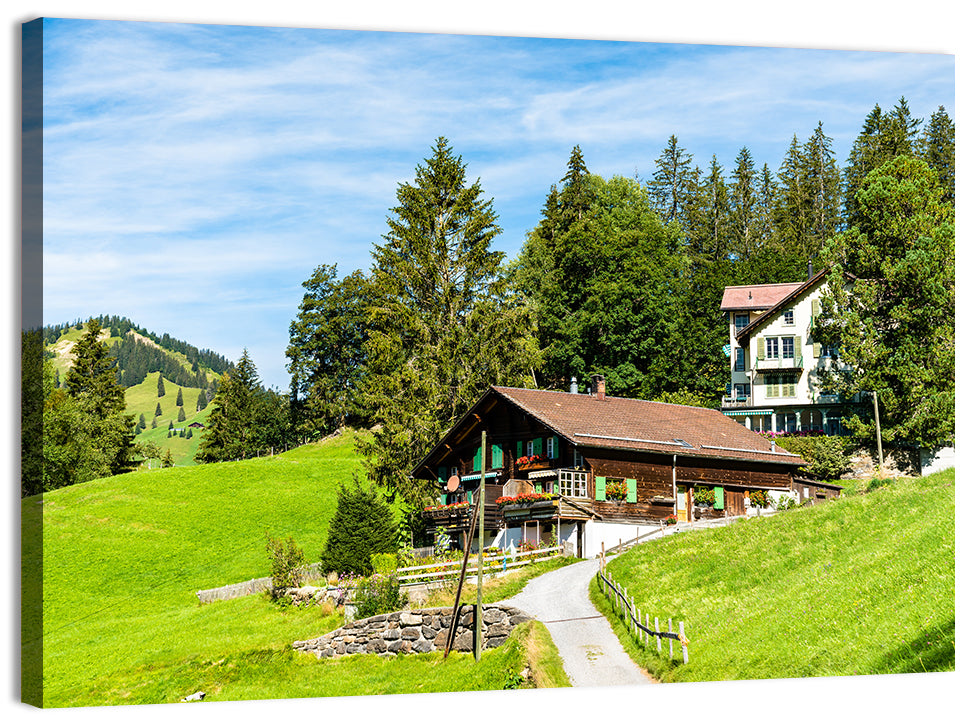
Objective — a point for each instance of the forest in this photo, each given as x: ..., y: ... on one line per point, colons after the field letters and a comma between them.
x: 623, y: 276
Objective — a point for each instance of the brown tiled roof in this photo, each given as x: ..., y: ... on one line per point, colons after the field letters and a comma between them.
x: 801, y: 289
x: 756, y: 297
x: 627, y: 423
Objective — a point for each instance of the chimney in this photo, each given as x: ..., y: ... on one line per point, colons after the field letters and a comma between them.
x: 573, y: 386
x: 773, y: 446
x: 599, y: 387
x: 810, y: 269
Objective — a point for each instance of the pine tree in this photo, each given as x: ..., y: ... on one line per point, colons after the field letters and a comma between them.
x: 142, y: 422
x: 202, y: 400
x: 157, y: 410
x: 362, y: 526
x: 160, y: 386
x: 671, y: 181
x: 937, y: 150
x: 181, y: 415
x: 180, y: 398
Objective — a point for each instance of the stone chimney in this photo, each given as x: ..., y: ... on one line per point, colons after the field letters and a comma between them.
x: 599, y: 387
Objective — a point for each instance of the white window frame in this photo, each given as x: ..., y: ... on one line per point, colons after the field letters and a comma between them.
x: 577, y: 458
x: 574, y: 484
x: 739, y: 360
x: 772, y: 348
x: 742, y: 316
x: 551, y: 450
x: 788, y: 317
x: 530, y: 448
x: 787, y: 347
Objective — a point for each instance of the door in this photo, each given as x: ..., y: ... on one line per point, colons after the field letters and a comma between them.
x: 734, y: 503
x: 682, y: 504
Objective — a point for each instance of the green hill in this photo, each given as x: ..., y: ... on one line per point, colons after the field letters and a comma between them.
x: 862, y: 585
x: 142, y: 399
x: 124, y: 556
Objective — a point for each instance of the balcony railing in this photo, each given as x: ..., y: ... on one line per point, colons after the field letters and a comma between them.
x: 777, y: 364
x: 738, y: 402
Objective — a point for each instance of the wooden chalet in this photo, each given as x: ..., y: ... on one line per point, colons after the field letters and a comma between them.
x: 606, y: 469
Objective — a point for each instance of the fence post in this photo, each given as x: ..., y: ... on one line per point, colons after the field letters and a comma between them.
x: 634, y: 629
x: 647, y: 631
x: 659, y: 639
x: 682, y: 636
x: 671, y: 640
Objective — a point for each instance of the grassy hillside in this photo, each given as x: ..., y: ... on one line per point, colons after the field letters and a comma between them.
x: 142, y: 398
x: 863, y: 585
x: 123, y: 557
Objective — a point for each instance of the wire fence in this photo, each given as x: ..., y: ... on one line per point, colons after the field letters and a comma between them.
x: 491, y: 563
x: 625, y: 606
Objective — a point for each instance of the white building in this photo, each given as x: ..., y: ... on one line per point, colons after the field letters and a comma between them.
x: 774, y: 359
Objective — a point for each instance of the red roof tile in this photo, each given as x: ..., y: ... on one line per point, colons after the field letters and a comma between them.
x: 756, y: 297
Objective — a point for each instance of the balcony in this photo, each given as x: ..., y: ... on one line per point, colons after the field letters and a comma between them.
x: 779, y: 364
x: 738, y: 402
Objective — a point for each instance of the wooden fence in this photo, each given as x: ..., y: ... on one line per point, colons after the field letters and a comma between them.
x: 625, y: 605
x: 427, y: 573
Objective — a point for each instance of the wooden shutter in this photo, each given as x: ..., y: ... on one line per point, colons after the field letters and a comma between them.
x: 497, y: 455
x: 441, y: 475
x: 789, y: 389
x: 537, y: 447
x: 797, y: 346
x: 555, y: 447
x: 537, y: 486
x: 816, y: 350
x: 477, y: 460
x: 520, y: 449
x: 760, y: 348
x: 630, y: 490
x: 600, y: 488
x: 718, y: 498
x: 815, y: 308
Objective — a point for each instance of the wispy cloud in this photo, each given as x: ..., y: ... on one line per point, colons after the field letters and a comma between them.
x: 195, y: 175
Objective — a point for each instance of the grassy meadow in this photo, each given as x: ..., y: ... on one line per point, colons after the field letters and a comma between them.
x: 142, y: 398
x: 124, y: 556
x: 861, y: 585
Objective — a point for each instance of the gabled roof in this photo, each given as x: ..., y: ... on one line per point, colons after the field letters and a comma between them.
x: 776, y: 308
x: 629, y: 424
x: 756, y: 297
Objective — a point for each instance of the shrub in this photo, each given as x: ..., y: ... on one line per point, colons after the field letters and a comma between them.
x: 384, y: 563
x: 378, y: 594
x: 828, y: 457
x: 287, y: 565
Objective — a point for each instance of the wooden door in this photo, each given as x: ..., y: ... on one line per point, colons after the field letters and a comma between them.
x: 734, y: 503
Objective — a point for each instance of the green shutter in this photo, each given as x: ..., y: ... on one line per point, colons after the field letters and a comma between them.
x: 816, y: 350
x: 600, y: 488
x: 789, y: 387
x: 718, y: 500
x: 537, y: 447
x: 630, y: 490
x: 441, y: 475
x: 555, y: 446
x: 537, y: 487
x: 815, y: 309
x: 497, y: 455
x: 760, y: 349
x: 477, y: 460
x: 469, y: 494
x: 797, y: 346
x: 445, y: 499
x: 520, y: 449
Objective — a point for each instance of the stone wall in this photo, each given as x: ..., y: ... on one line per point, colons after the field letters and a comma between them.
x: 416, y: 631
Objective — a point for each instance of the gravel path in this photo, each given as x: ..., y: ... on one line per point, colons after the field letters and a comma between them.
x: 591, y: 653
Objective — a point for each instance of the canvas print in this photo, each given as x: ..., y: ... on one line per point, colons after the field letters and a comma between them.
x: 361, y: 363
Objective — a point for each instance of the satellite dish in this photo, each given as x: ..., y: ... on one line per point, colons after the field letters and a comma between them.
x: 453, y: 484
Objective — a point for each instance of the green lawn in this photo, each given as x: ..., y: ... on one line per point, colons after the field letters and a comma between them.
x: 142, y: 398
x: 862, y: 585
x: 124, y: 556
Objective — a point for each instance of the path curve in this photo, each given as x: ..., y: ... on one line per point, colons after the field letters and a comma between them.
x: 591, y: 653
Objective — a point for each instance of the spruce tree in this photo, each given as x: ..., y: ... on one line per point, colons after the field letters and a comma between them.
x: 202, y: 400
x: 180, y: 398
x: 160, y: 386
x: 181, y: 415
x: 671, y: 181
x: 937, y: 150
x: 362, y: 526
x: 157, y: 410
x: 142, y: 422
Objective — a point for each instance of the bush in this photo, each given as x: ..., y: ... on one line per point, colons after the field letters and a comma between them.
x: 287, y: 565
x: 378, y: 594
x: 384, y: 563
x: 828, y: 457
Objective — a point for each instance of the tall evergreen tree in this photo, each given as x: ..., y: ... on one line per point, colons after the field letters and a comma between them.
x: 362, y: 526
x: 671, y: 181
x: 894, y: 328
x: 202, y: 400
x: 160, y: 386
x: 231, y: 424
x: 443, y: 322
x: 937, y: 150
x: 180, y: 398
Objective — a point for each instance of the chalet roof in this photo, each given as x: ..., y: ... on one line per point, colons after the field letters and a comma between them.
x: 801, y: 289
x: 756, y: 297
x: 588, y: 421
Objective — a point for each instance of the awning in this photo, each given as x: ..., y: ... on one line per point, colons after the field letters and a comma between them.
x: 749, y: 412
x: 541, y: 474
x: 478, y: 476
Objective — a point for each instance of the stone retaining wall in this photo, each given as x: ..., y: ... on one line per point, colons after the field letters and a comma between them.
x: 416, y: 631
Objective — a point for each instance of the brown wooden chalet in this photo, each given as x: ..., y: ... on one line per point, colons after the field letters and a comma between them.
x: 605, y: 467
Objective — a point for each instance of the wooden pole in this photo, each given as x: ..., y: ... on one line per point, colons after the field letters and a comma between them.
x: 682, y: 635
x: 659, y: 639
x: 458, y: 591
x: 671, y: 640
x: 647, y: 626
x: 478, y: 597
x: 880, y: 448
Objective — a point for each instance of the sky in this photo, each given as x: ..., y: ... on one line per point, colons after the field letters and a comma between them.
x: 196, y: 174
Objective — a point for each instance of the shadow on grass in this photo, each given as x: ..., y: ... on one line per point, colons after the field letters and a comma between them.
x: 932, y: 650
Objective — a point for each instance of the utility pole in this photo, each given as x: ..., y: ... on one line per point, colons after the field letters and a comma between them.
x: 880, y: 448
x: 478, y: 600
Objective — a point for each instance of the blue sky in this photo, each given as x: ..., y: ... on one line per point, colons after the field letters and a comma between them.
x: 195, y: 175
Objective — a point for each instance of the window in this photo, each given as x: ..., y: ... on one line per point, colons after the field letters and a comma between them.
x: 741, y: 321
x: 786, y: 422
x: 552, y: 447
x: 739, y: 363
x: 576, y: 458
x: 530, y: 448
x: 781, y: 386
x: 787, y: 347
x: 788, y: 317
x: 773, y: 347
x: 741, y: 390
x: 574, y: 483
